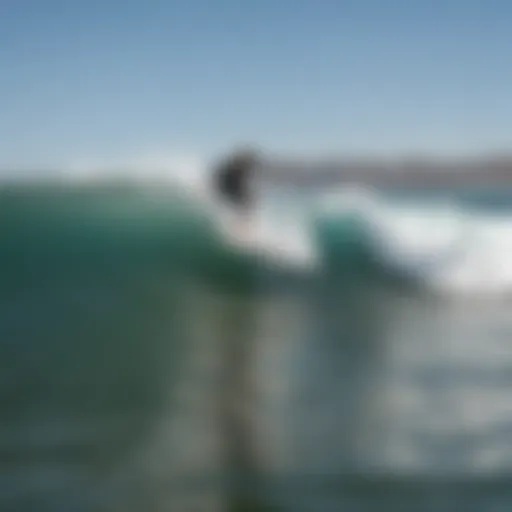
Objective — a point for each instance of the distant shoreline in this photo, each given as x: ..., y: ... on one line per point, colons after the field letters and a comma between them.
x: 397, y: 172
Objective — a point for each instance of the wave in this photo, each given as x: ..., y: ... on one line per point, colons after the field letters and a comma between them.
x: 439, y: 245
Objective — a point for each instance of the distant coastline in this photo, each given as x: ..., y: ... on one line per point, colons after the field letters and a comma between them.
x: 400, y: 172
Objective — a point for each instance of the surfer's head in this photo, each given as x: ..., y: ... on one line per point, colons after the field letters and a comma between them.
x: 233, y: 176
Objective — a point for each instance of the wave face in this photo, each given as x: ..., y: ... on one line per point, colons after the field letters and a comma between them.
x: 150, y: 354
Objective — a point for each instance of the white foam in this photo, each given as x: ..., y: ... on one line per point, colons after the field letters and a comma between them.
x: 450, y: 250
x: 146, y: 167
x: 485, y: 267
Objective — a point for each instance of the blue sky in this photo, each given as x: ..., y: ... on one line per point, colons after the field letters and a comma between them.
x: 101, y: 78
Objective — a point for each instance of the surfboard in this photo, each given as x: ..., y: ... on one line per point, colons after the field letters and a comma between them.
x: 279, y: 245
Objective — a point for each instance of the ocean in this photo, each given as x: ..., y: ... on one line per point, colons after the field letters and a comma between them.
x: 357, y: 356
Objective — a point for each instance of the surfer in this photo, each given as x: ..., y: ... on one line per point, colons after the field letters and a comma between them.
x: 232, y: 180
x: 232, y: 184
